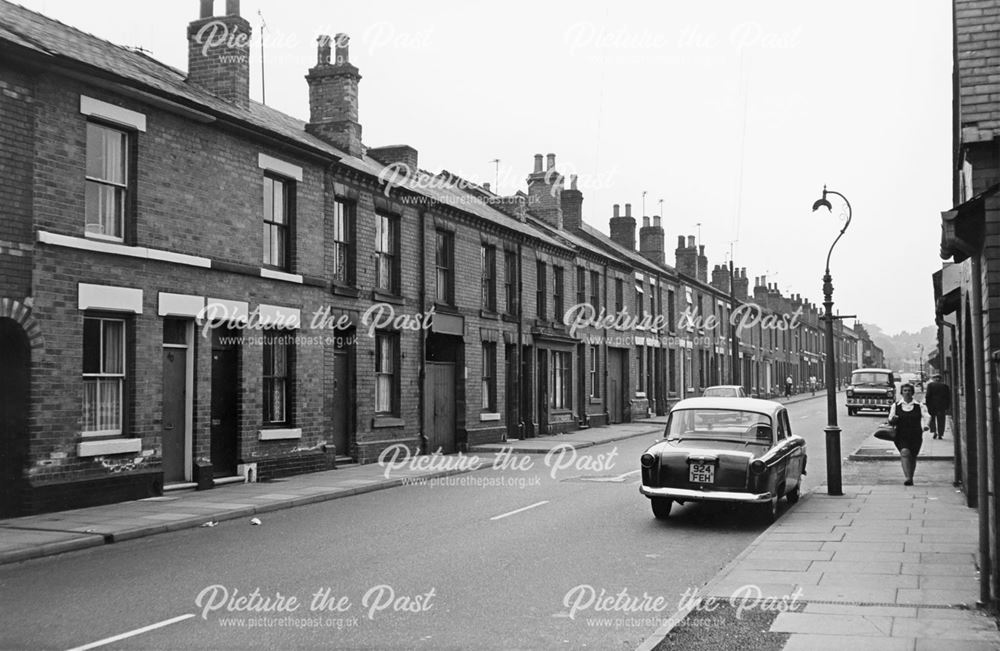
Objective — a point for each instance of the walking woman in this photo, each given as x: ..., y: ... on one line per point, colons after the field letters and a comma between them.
x: 911, y: 419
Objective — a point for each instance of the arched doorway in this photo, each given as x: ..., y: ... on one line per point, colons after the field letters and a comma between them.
x: 15, y: 371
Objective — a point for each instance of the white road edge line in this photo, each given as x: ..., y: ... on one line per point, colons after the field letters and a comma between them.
x: 138, y: 631
x: 524, y: 508
x: 631, y: 472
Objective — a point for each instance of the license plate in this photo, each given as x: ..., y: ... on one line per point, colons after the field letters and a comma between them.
x: 702, y: 473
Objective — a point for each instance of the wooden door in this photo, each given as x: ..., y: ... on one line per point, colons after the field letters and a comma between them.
x: 439, y: 407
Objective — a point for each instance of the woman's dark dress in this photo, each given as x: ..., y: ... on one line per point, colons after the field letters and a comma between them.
x: 909, y: 428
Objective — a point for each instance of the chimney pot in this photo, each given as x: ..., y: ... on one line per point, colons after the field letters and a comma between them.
x: 645, y: 222
x: 486, y: 186
x: 616, y: 210
x: 342, y: 43
x: 550, y: 161
x: 701, y: 249
x: 680, y: 241
x: 538, y: 163
x: 207, y: 7
x: 691, y: 241
x: 628, y: 210
x: 656, y: 221
x: 572, y: 182
x: 232, y: 7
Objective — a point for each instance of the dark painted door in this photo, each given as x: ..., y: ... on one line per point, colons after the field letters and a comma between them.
x: 543, y: 391
x: 439, y: 406
x: 342, y: 401
x: 224, y: 423
x: 510, y: 392
x: 615, y: 385
x: 527, y: 411
x: 15, y: 365
x: 174, y: 421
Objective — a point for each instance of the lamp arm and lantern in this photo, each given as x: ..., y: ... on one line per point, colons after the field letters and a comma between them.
x: 833, y: 464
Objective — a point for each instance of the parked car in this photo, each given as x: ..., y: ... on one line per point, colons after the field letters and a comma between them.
x: 724, y: 391
x: 871, y: 388
x: 739, y: 450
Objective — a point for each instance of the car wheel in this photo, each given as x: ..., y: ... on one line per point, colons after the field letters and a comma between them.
x: 794, y: 494
x: 661, y: 507
x: 769, y: 511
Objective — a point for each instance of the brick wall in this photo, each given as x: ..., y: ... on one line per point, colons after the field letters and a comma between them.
x: 16, y: 158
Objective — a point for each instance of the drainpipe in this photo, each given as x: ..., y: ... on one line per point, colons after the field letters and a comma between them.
x: 604, y: 346
x: 982, y: 487
x: 422, y: 377
x: 518, y: 351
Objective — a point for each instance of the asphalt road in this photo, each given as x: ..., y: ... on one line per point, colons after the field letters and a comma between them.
x: 471, y: 565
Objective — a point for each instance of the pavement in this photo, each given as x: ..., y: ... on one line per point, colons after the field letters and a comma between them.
x: 882, y: 567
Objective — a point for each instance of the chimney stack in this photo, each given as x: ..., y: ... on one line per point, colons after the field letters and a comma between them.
x: 702, y: 264
x: 333, y: 97
x: 623, y: 228
x: 403, y: 155
x: 720, y: 278
x: 686, y: 257
x: 545, y: 192
x: 741, y: 284
x: 651, y: 244
x: 219, y: 53
x: 572, y: 206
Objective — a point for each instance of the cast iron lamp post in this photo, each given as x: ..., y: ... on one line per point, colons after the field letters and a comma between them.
x: 833, y: 475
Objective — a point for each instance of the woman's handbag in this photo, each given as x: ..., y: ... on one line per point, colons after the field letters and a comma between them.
x: 886, y: 432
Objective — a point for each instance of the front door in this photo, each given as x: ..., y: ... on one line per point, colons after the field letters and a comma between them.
x: 615, y: 388
x: 340, y: 427
x: 174, y: 428
x: 543, y: 391
x: 225, y: 393
x: 510, y: 392
x: 439, y: 406
x: 15, y: 362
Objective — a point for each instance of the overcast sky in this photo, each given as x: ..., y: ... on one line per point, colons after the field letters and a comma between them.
x: 733, y: 113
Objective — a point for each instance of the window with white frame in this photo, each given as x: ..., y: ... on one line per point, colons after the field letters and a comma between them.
x: 107, y: 181
x: 444, y: 260
x: 277, y: 377
x: 277, y: 221
x: 103, y: 375
x: 560, y: 395
x: 489, y: 381
x: 386, y: 372
x: 386, y: 252
x: 595, y: 381
x: 343, y: 225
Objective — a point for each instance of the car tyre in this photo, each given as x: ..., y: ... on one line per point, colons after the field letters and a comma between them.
x: 661, y: 507
x: 769, y: 511
x: 794, y: 494
x: 851, y: 411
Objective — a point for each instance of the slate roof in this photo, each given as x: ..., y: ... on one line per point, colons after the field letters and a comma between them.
x: 48, y: 37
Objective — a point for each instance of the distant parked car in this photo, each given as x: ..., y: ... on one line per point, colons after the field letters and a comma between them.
x: 738, y: 450
x: 871, y: 388
x: 725, y: 391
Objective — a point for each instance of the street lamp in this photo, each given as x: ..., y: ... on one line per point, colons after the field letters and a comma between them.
x: 833, y: 475
x: 920, y: 370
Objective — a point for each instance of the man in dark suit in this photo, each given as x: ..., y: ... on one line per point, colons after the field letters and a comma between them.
x: 937, y: 397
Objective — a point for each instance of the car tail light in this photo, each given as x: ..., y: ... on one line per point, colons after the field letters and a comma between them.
x: 647, y: 460
x: 757, y: 466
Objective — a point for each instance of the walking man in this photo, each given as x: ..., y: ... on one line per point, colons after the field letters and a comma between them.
x: 788, y: 386
x: 937, y: 397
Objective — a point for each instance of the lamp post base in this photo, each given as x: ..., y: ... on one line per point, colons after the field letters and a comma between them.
x: 833, y: 478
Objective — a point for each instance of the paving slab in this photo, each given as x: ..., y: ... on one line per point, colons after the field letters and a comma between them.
x: 833, y: 624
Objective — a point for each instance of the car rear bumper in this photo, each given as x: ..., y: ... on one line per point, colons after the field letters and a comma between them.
x: 688, y: 495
